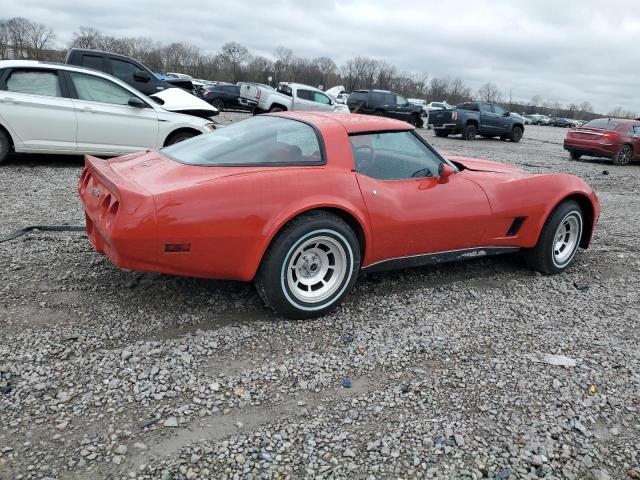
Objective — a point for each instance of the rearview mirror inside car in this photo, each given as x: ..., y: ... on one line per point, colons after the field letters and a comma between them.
x: 141, y: 76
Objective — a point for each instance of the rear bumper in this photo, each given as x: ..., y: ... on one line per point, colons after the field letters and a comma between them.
x: 247, y: 103
x: 590, y: 147
x: 445, y: 126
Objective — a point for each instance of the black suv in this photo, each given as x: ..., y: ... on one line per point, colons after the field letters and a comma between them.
x: 223, y: 96
x: 385, y: 104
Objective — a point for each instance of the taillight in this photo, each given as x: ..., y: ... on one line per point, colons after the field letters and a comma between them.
x: 611, y: 136
x: 454, y: 116
x: 258, y: 93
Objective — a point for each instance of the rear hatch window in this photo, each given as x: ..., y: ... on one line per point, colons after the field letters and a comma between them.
x: 602, y: 124
x: 259, y: 141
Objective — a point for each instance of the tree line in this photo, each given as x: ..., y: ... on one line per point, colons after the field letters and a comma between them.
x: 21, y: 38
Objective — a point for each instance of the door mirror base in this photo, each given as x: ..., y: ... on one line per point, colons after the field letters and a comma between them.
x: 136, y: 102
x: 444, y: 172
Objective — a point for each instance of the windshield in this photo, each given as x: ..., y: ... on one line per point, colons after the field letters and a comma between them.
x: 260, y: 140
x: 602, y: 123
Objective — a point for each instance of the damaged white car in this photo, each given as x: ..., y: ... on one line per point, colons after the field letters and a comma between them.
x: 287, y: 97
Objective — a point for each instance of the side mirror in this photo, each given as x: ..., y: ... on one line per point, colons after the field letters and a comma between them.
x: 136, y: 102
x: 444, y: 172
x: 506, y: 114
x: 141, y: 76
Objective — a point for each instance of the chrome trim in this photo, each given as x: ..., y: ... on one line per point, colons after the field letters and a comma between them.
x: 437, y: 258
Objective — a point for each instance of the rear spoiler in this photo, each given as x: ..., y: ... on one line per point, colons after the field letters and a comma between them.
x: 102, y: 169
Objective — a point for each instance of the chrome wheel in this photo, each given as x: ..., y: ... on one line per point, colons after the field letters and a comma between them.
x: 624, y: 155
x: 566, y: 238
x: 316, y: 269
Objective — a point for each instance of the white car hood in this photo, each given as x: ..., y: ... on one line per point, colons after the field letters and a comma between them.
x: 341, y: 107
x: 335, y: 91
x: 177, y: 100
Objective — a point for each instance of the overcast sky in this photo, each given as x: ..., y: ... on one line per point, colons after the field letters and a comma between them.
x: 564, y: 50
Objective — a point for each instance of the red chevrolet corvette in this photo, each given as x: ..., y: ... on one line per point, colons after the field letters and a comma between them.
x: 302, y: 202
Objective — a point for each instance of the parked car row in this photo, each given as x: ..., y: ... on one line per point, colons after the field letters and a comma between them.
x: 63, y: 109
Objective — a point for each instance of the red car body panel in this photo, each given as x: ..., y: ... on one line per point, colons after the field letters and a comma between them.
x: 601, y: 142
x: 141, y: 205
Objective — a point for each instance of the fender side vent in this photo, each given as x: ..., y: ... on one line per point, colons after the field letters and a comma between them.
x: 515, y: 226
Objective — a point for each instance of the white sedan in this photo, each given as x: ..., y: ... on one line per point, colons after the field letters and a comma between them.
x: 62, y: 109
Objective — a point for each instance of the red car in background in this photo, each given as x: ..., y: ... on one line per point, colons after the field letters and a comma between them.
x: 611, y: 138
x: 302, y: 202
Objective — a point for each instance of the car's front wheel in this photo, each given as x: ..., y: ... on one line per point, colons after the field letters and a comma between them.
x: 623, y: 155
x: 179, y: 137
x: 311, y: 265
x: 516, y: 134
x: 5, y: 146
x: 219, y: 104
x: 416, y: 121
x: 559, y: 240
x: 575, y: 155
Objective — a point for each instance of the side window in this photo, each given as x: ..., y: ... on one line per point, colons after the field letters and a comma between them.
x: 389, y: 99
x: 393, y: 156
x: 94, y: 62
x: 486, y: 108
x: 122, y: 70
x: 636, y: 129
x: 377, y: 98
x: 305, y: 94
x: 321, y: 98
x: 401, y: 101
x: 499, y: 110
x: 96, y: 89
x: 34, y: 82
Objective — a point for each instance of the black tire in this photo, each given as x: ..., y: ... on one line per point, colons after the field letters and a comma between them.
x: 277, y: 281
x: 5, y: 147
x: 623, y: 155
x: 219, y: 104
x: 379, y: 113
x: 543, y: 257
x: 275, y: 110
x: 504, y: 138
x: 416, y: 121
x: 516, y: 134
x: 179, y: 137
x: 441, y: 133
x: 575, y: 155
x: 469, y: 132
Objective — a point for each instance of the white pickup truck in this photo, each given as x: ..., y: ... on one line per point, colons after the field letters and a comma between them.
x: 288, y: 96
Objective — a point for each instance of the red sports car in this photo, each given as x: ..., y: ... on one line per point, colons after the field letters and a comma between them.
x: 611, y: 138
x: 301, y: 202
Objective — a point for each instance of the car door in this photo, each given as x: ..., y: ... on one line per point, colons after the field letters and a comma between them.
x: 411, y: 212
x: 402, y: 108
x: 106, y: 122
x: 305, y: 100
x: 232, y: 93
x: 323, y: 102
x: 35, y: 105
x: 489, y: 120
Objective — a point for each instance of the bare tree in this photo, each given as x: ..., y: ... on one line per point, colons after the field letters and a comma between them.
x: 4, y: 39
x: 86, y: 37
x: 18, y: 29
x: 283, y: 59
x: 489, y: 93
x: 327, y: 69
x: 234, y: 55
x: 39, y: 37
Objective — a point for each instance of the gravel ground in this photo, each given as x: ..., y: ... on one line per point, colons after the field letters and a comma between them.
x: 480, y: 369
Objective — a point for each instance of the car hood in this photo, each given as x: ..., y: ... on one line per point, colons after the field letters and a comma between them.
x: 478, y: 165
x: 177, y: 100
x: 333, y: 92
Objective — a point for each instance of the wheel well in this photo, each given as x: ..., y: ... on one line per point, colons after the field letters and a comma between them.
x: 344, y: 215
x: 519, y: 125
x: 180, y: 130
x: 278, y: 105
x: 6, y: 132
x: 587, y: 210
x: 472, y: 122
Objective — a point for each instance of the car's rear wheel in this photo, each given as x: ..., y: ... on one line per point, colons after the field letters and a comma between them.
x: 623, y: 155
x: 559, y: 240
x: 311, y: 265
x: 5, y: 146
x: 275, y: 110
x: 516, y: 134
x: 379, y: 113
x: 179, y: 137
x: 219, y: 104
x: 575, y: 155
x: 469, y: 132
x: 441, y: 133
x: 416, y: 120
